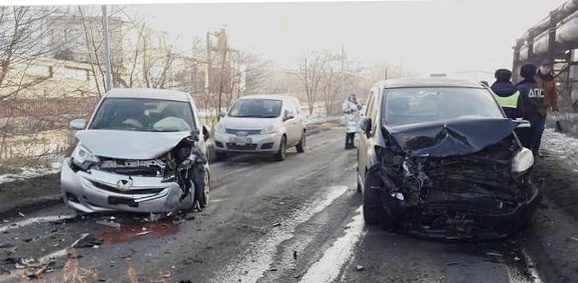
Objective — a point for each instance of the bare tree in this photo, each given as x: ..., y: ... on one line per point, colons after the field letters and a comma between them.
x: 312, y: 68
x: 24, y: 78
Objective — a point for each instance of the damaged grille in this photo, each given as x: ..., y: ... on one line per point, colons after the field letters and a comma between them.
x: 113, y: 189
x: 142, y: 168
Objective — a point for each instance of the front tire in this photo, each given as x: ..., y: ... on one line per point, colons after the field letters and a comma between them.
x: 372, y: 209
x: 202, y: 181
x: 281, y: 154
x: 378, y: 206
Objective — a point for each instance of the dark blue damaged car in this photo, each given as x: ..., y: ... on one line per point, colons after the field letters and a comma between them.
x: 438, y: 158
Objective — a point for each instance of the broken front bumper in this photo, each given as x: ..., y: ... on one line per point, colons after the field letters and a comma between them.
x: 468, y: 224
x: 98, y: 191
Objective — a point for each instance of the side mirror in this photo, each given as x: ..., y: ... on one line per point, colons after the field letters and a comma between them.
x: 365, y: 125
x: 223, y: 114
x: 206, y: 133
x: 78, y: 124
x: 289, y: 116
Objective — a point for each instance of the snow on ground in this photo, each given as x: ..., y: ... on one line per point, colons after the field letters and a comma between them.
x: 320, y: 118
x: 558, y: 146
x: 30, y: 172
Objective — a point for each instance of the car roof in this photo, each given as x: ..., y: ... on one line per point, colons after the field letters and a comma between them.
x: 428, y: 82
x: 152, y: 93
x: 270, y: 96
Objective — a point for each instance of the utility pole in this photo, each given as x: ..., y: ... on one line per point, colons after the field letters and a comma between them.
x: 209, y: 72
x: 342, y: 70
x: 108, y: 71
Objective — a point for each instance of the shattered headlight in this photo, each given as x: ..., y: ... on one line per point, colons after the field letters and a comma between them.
x: 220, y: 128
x: 522, y: 161
x: 269, y: 130
x: 83, y: 158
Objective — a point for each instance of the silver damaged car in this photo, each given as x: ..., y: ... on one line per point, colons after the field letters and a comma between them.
x: 143, y: 150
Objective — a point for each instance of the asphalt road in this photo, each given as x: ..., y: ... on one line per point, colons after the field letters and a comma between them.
x: 293, y: 221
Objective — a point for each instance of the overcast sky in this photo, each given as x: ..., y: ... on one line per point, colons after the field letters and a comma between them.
x: 423, y: 36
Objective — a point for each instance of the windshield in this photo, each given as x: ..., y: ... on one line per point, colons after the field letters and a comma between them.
x: 148, y: 115
x: 259, y: 108
x: 418, y: 105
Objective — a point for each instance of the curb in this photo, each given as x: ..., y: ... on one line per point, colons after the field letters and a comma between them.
x: 31, y: 205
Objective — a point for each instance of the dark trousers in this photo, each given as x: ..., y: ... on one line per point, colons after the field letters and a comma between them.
x: 349, y: 137
x: 538, y: 123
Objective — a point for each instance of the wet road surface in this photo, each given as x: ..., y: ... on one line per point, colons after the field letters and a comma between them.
x: 293, y: 221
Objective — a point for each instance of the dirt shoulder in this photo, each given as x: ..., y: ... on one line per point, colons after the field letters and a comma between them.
x: 28, y: 194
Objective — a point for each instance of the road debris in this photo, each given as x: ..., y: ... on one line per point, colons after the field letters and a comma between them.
x: 108, y: 223
x: 143, y: 233
x: 359, y: 268
x: 295, y: 255
x: 87, y: 241
x: 21, y: 214
x: 494, y: 254
x: 6, y: 245
x: 277, y: 224
x: 574, y: 238
x: 516, y: 259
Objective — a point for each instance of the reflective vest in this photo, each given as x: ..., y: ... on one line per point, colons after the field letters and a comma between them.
x: 509, y: 101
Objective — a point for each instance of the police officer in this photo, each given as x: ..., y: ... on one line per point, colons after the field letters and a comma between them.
x: 533, y: 97
x: 507, y: 95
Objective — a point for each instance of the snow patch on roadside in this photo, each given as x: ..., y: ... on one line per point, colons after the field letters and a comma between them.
x: 29, y: 172
x: 558, y: 146
x: 320, y: 118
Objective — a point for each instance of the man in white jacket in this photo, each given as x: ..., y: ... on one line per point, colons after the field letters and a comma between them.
x: 351, y: 110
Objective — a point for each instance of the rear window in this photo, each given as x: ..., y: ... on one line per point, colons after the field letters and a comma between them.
x: 418, y: 105
x: 257, y: 108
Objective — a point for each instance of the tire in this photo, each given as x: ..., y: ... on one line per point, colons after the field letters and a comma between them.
x: 202, y: 181
x: 372, y: 209
x: 221, y: 156
x: 281, y: 154
x: 377, y: 208
x: 301, y: 145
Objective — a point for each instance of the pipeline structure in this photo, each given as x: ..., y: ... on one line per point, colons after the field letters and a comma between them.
x: 555, y: 38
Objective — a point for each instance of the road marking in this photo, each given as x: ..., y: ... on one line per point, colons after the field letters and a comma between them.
x: 34, y: 220
x: 329, y: 266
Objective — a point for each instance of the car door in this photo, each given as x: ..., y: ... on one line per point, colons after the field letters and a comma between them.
x: 290, y: 124
x: 366, y: 142
x: 299, y: 122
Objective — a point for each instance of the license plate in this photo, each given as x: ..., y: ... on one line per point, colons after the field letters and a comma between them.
x: 241, y: 140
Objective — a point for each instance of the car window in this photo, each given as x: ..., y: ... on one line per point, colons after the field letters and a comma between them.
x: 259, y: 108
x: 372, y: 109
x: 149, y: 115
x: 297, y: 107
x: 418, y: 105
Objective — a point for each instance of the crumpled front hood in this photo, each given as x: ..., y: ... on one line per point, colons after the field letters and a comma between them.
x: 129, y: 144
x: 453, y: 137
